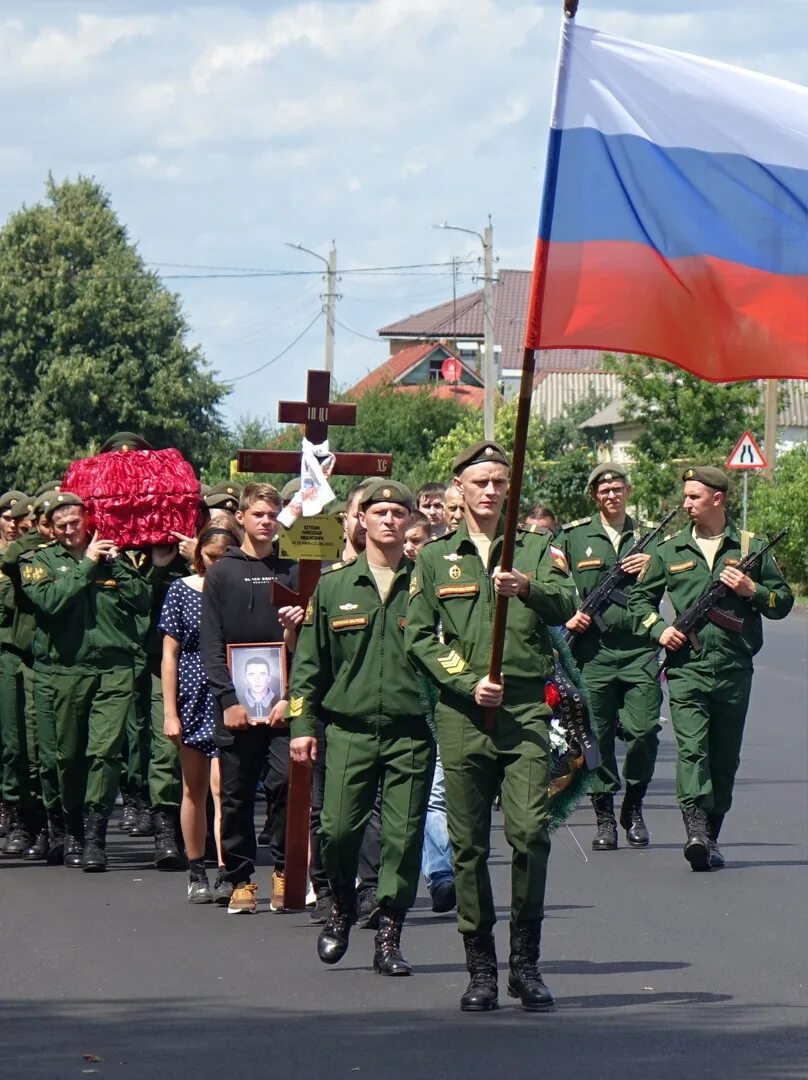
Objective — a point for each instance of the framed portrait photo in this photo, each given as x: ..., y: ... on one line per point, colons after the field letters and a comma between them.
x: 258, y: 672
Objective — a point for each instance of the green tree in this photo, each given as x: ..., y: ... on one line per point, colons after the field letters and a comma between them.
x: 91, y: 342
x: 684, y: 420
x: 782, y: 501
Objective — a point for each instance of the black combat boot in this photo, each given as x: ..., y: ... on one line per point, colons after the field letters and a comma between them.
x: 481, y: 961
x: 143, y: 825
x: 387, y: 958
x: 631, y: 816
x: 56, y: 836
x: 74, y: 839
x: 167, y: 854
x: 524, y: 980
x: 3, y: 819
x: 332, y: 941
x: 94, y: 856
x: 38, y: 848
x: 697, y: 846
x: 606, y: 837
x: 128, y: 817
x: 714, y: 823
x: 18, y: 837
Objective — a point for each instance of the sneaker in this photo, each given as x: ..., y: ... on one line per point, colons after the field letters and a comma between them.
x: 278, y: 884
x: 199, y: 890
x: 321, y: 910
x: 444, y: 897
x: 243, y: 901
x: 367, y: 910
x: 222, y: 890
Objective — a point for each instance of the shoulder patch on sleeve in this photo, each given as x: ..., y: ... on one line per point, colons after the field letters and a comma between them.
x: 308, y: 618
x: 576, y: 523
x: 415, y: 585
x: 33, y: 572
x: 558, y: 558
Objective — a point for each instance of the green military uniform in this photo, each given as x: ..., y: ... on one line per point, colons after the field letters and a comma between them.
x: 709, y: 689
x: 85, y: 655
x: 152, y: 762
x: 350, y: 669
x: 20, y: 783
x: 452, y: 588
x: 618, y: 665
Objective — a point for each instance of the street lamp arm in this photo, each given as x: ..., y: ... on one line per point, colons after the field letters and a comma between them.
x: 457, y: 228
x: 299, y: 247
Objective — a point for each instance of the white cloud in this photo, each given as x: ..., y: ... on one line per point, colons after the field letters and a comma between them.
x: 58, y: 54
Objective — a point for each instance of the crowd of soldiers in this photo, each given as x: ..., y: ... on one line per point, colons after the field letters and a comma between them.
x: 388, y: 697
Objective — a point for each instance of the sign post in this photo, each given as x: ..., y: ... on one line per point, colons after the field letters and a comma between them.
x: 747, y: 455
x: 316, y: 413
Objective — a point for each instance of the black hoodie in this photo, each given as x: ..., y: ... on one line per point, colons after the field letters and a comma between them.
x: 236, y: 609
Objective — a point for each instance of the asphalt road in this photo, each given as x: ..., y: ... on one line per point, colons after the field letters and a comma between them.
x: 658, y: 972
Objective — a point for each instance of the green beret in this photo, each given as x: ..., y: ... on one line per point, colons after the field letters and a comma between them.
x: 43, y: 501
x: 338, y: 507
x: 707, y: 475
x: 10, y: 498
x: 49, y: 485
x: 481, y: 453
x: 125, y: 440
x: 607, y: 470
x: 386, y: 491
x: 22, y: 508
x: 220, y: 500
x: 290, y: 488
x: 63, y: 498
x: 227, y: 487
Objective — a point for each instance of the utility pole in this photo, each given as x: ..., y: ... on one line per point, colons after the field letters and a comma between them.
x: 489, y: 367
x: 489, y: 362
x: 330, y: 296
x: 330, y: 307
x: 770, y: 429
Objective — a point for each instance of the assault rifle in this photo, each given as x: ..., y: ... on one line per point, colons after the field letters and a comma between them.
x: 611, y: 590
x: 706, y: 607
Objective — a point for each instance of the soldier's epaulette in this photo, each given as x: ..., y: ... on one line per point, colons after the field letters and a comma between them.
x: 575, y: 524
x: 443, y: 536
x: 539, y: 530
x: 336, y: 566
x: 672, y: 535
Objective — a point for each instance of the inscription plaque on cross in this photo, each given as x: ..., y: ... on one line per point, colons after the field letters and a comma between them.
x: 315, y: 414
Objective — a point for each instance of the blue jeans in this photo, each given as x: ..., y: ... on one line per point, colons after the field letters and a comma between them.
x: 436, y: 862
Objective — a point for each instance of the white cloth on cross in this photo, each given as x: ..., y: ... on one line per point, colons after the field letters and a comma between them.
x: 316, y: 465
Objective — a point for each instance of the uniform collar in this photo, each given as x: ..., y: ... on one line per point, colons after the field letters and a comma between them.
x: 685, y: 537
x: 363, y: 568
x: 461, y: 537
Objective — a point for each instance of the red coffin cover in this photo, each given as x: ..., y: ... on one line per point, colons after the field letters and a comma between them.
x: 137, y: 497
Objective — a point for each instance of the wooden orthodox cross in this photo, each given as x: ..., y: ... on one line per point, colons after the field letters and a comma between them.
x: 316, y: 413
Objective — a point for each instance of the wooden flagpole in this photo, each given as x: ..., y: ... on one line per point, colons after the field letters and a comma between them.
x: 525, y: 399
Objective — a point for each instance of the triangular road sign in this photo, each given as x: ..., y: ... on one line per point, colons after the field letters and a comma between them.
x: 747, y: 454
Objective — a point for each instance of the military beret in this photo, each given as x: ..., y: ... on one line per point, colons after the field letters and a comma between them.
x: 607, y: 470
x: 338, y: 507
x: 44, y: 500
x: 125, y: 440
x: 220, y: 500
x: 707, y: 475
x: 63, y: 498
x: 289, y: 489
x: 49, y: 485
x: 386, y: 491
x: 22, y: 508
x: 226, y: 487
x: 204, y: 489
x: 481, y: 453
x: 10, y: 498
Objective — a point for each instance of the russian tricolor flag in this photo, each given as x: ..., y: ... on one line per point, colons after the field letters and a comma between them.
x: 675, y: 214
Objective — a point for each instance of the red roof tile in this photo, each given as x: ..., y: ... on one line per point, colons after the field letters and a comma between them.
x: 401, y: 362
x: 465, y: 320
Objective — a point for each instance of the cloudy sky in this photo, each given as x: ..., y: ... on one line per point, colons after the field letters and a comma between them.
x: 223, y: 130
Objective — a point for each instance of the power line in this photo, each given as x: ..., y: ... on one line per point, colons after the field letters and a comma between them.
x: 435, y: 269
x: 358, y: 333
x: 283, y: 352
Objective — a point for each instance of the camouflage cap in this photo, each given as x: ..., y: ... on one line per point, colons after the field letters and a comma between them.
x: 607, y: 470
x: 9, y: 498
x: 63, y: 498
x: 125, y: 440
x: 386, y: 491
x: 480, y: 453
x: 707, y: 475
x: 22, y: 508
